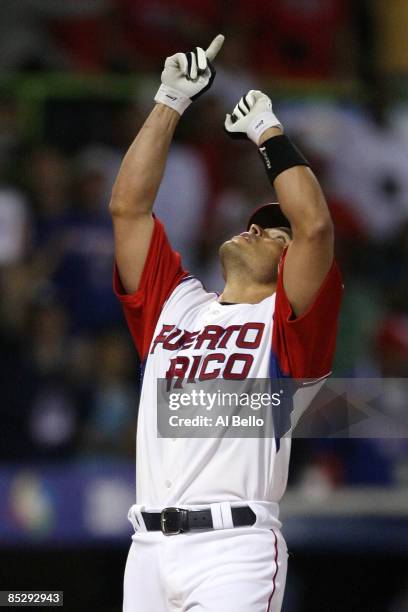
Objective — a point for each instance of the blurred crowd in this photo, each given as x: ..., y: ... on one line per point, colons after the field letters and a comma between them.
x: 70, y: 374
x: 124, y: 35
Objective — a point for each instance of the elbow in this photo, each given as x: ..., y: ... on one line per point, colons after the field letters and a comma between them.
x: 122, y: 207
x: 122, y: 204
x: 318, y: 228
x: 322, y: 229
x: 130, y: 203
x: 118, y: 202
x: 117, y: 207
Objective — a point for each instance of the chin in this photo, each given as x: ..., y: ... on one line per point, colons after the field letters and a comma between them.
x: 226, y: 247
x: 229, y: 253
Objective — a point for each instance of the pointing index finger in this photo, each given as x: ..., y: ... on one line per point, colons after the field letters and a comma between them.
x: 214, y: 47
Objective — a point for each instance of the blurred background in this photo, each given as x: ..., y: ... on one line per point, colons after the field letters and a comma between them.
x: 77, y: 78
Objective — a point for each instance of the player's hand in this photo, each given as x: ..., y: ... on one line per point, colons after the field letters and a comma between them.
x: 251, y: 117
x: 186, y: 76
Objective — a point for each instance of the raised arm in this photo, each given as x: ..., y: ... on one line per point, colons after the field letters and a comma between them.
x: 185, y: 77
x: 135, y: 190
x: 310, y: 253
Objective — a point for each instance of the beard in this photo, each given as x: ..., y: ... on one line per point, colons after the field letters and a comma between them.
x: 236, y: 262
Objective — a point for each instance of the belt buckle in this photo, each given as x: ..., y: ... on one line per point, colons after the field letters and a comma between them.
x: 165, y: 519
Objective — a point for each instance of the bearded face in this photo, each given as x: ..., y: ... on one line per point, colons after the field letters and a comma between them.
x: 255, y: 253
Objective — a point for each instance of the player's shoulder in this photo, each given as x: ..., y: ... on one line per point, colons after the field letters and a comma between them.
x: 189, y: 292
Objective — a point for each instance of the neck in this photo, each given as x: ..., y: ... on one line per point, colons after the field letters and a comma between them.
x: 238, y: 292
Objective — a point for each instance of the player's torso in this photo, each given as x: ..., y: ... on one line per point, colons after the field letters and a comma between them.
x: 199, y: 339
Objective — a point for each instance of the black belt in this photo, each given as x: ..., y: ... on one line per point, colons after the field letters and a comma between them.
x: 172, y: 521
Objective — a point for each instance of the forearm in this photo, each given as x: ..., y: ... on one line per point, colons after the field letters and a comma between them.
x: 142, y: 168
x: 300, y: 197
x: 302, y: 201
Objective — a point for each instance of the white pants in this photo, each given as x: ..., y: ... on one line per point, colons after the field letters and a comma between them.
x: 227, y: 570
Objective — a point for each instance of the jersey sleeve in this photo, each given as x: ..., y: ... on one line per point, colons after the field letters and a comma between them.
x: 162, y: 273
x: 304, y: 346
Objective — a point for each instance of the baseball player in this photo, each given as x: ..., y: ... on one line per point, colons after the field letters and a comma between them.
x: 207, y: 531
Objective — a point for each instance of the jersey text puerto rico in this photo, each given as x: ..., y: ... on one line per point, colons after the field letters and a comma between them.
x: 206, y: 366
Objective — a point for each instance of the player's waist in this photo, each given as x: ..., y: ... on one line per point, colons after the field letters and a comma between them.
x: 218, y: 515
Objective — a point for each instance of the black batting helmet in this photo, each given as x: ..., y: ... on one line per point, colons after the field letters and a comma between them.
x: 268, y: 215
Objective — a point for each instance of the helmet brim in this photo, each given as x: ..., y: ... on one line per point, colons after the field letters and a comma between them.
x: 268, y: 215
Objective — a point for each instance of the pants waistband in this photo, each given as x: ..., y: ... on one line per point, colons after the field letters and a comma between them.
x: 266, y: 513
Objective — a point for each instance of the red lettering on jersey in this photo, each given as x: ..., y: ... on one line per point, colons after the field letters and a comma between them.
x: 177, y: 369
x: 194, y: 368
x: 187, y: 339
x: 212, y: 333
x: 217, y: 357
x: 168, y: 345
x: 211, y: 337
x: 227, y: 335
x: 250, y: 344
x: 161, y: 336
x: 233, y: 359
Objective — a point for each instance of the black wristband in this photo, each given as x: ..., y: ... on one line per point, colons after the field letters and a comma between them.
x: 278, y: 154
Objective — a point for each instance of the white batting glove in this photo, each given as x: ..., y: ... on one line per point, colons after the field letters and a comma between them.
x: 251, y: 117
x: 186, y: 76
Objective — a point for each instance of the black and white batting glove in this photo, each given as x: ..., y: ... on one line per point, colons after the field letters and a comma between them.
x: 251, y: 117
x: 186, y: 76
